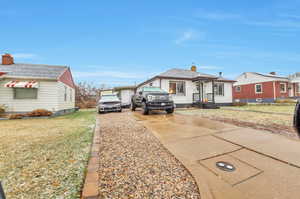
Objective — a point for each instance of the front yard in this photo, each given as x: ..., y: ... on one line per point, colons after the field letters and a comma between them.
x: 45, y: 158
x: 274, y: 118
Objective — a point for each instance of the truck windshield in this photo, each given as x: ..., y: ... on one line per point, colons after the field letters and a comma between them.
x: 153, y: 89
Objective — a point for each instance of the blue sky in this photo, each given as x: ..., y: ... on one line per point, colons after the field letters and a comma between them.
x: 123, y: 42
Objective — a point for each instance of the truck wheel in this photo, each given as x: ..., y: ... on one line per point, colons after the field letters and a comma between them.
x: 132, y: 106
x: 169, y: 111
x: 145, y: 109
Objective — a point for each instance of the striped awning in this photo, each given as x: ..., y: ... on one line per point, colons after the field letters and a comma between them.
x: 22, y: 84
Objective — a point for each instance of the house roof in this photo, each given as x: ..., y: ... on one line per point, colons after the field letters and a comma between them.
x: 124, y: 87
x: 37, y: 71
x: 177, y: 73
x: 270, y: 75
x: 182, y: 73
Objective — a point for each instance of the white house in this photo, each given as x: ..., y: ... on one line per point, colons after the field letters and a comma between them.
x: 26, y: 87
x: 191, y: 87
x: 125, y: 93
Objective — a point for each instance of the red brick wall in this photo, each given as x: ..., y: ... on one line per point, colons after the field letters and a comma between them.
x: 278, y: 93
x: 248, y: 91
x: 67, y: 78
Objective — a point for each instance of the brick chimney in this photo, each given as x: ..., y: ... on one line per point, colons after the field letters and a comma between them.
x: 194, y: 68
x: 7, y: 59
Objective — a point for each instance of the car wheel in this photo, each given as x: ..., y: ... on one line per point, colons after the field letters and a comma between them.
x: 170, y: 111
x: 145, y: 109
x: 132, y: 106
x: 120, y: 110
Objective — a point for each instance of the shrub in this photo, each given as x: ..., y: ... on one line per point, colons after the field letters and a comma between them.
x: 2, y: 109
x: 240, y: 104
x: 285, y: 101
x: 39, y: 113
x: 16, y: 116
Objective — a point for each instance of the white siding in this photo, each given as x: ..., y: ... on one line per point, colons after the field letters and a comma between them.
x: 190, y: 88
x: 62, y: 103
x: 227, y: 98
x: 126, y: 96
x: 47, y: 98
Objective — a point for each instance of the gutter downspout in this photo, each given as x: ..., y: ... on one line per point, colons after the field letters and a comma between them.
x: 274, y: 90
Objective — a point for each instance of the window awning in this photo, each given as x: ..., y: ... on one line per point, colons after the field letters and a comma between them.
x: 22, y: 84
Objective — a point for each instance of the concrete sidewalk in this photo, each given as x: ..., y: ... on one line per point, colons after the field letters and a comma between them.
x: 267, y: 165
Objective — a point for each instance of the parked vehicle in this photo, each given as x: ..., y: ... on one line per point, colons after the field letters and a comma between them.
x: 152, y: 98
x: 297, y: 118
x: 109, y: 103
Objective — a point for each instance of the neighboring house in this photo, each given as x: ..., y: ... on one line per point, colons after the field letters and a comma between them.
x: 189, y: 87
x: 26, y: 87
x: 295, y: 85
x: 125, y: 93
x: 258, y: 87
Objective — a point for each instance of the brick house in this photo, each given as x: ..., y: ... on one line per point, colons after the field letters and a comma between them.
x: 295, y: 84
x: 258, y: 87
x: 26, y: 87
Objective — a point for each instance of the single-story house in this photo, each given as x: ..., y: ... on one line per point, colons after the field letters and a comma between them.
x: 26, y: 87
x: 259, y: 87
x: 125, y: 93
x: 189, y: 87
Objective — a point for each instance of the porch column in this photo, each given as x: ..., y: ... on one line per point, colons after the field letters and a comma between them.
x: 202, y: 92
x: 213, y: 91
x: 199, y: 91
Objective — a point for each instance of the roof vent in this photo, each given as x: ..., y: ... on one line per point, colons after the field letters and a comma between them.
x: 7, y: 59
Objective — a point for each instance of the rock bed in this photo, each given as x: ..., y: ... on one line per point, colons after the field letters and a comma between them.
x: 133, y: 163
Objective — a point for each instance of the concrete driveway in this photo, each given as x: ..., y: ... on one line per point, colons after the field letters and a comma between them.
x: 267, y: 166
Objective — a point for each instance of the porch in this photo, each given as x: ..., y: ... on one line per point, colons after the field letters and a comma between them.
x: 204, y: 98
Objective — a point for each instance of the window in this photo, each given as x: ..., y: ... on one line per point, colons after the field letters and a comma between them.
x: 219, y: 89
x: 65, y: 95
x: 238, y: 89
x: 151, y: 84
x: 25, y: 93
x: 258, y: 88
x: 177, y: 88
x: 283, y: 87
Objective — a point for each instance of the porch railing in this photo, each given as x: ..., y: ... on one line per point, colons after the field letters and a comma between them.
x: 207, y: 97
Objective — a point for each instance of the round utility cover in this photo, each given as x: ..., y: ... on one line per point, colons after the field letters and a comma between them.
x: 225, y: 166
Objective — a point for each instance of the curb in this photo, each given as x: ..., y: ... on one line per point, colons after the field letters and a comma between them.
x: 90, y: 187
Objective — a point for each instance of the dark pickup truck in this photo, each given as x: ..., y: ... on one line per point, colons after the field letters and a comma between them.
x: 297, y: 118
x: 152, y: 98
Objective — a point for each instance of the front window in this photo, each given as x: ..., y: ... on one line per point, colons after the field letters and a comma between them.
x: 258, y: 88
x: 177, y: 88
x: 219, y: 89
x: 283, y: 87
x: 25, y: 93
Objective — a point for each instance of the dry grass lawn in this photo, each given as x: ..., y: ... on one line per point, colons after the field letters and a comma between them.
x: 285, y: 109
x: 45, y: 158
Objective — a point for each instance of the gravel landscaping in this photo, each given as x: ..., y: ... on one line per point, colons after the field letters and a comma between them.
x: 133, y: 163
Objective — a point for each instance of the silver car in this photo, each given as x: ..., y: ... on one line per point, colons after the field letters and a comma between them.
x: 109, y: 103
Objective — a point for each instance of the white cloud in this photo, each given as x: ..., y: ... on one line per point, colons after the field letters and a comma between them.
x: 187, y: 36
x: 24, y: 55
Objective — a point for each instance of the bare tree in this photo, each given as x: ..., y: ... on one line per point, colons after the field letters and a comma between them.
x: 87, y: 94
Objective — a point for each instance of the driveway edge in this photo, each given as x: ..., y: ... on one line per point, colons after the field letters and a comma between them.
x: 90, y: 187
